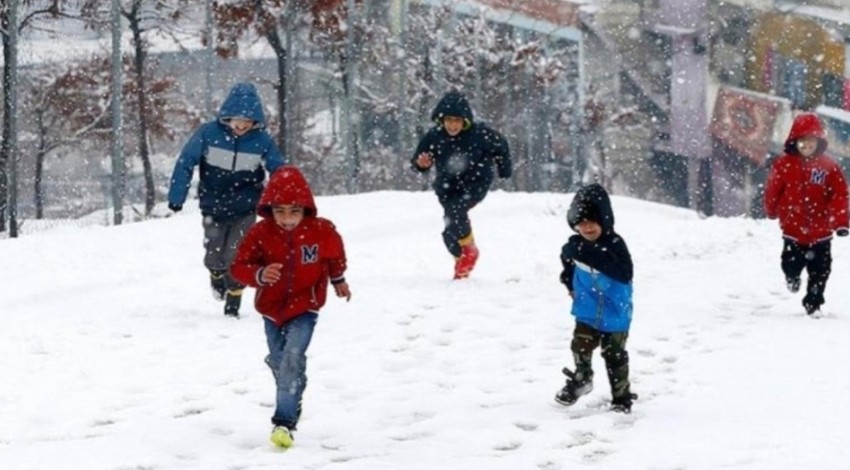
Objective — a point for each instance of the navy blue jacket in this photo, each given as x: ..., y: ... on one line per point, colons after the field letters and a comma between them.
x: 231, y: 167
x: 464, y: 163
x: 599, y: 273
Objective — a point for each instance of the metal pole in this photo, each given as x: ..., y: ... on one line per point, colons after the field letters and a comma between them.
x: 579, y: 153
x: 117, y: 134
x: 348, y: 102
x: 209, y: 58
x: 289, y: 78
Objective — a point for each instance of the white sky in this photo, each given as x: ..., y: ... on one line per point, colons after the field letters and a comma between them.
x: 115, y: 356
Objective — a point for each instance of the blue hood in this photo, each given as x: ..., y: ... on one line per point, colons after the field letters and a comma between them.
x: 243, y: 101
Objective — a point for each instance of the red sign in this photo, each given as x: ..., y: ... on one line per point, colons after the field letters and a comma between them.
x: 744, y: 121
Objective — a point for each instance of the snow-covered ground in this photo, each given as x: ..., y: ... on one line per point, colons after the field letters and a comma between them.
x: 113, y: 354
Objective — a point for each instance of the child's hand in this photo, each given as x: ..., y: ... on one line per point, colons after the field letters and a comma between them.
x: 424, y: 160
x: 271, y: 273
x: 342, y: 290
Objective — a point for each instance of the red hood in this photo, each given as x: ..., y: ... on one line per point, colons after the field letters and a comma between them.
x: 806, y: 125
x: 287, y: 186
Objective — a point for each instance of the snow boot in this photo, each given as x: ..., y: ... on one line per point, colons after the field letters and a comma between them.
x: 812, y: 302
x: 468, y: 256
x: 281, y: 437
x: 793, y: 284
x: 217, y: 284
x: 575, y: 388
x: 623, y: 404
x: 233, y: 299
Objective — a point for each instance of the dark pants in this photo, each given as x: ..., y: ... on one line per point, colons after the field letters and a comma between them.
x: 816, y: 259
x: 456, y: 218
x: 220, y: 242
x: 585, y: 340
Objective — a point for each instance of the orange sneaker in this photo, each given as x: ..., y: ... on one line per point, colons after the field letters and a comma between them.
x: 466, y: 262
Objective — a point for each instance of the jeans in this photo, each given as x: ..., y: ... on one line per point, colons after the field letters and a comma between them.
x: 288, y: 362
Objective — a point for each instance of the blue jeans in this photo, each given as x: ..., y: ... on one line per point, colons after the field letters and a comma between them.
x: 288, y: 362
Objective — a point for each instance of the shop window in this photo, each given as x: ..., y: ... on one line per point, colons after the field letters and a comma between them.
x: 833, y: 90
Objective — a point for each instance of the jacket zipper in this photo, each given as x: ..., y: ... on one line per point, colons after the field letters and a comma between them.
x: 235, y: 153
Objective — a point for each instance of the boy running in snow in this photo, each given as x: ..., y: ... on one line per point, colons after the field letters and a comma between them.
x: 807, y: 191
x: 289, y: 256
x: 231, y: 152
x: 463, y: 153
x: 598, y: 274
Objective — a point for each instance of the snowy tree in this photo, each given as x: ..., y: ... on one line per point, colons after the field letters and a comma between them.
x: 28, y: 14
x: 144, y: 17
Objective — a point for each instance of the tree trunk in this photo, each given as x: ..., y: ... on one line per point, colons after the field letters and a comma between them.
x: 141, y: 97
x: 40, y: 155
x: 8, y: 156
x: 5, y: 148
x: 273, y: 38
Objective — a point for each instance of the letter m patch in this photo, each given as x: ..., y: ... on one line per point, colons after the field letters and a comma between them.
x: 309, y: 254
x: 818, y: 176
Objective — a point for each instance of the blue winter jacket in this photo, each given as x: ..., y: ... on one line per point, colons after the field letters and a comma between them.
x: 598, y: 273
x: 231, y: 167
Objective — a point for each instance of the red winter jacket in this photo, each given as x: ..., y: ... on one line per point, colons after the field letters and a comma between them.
x: 807, y: 194
x: 311, y: 254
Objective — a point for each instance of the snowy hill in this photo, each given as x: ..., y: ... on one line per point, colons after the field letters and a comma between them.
x: 115, y: 356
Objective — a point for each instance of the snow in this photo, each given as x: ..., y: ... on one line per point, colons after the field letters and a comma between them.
x: 115, y: 356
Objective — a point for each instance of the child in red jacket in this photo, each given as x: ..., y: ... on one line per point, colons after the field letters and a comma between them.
x: 289, y: 256
x: 807, y: 191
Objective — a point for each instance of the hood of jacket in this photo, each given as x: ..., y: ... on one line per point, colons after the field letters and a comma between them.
x: 453, y: 103
x: 243, y: 101
x: 287, y: 186
x: 806, y: 125
x: 591, y: 202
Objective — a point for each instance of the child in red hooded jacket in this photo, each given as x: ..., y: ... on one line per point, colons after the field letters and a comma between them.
x: 289, y: 256
x: 807, y: 191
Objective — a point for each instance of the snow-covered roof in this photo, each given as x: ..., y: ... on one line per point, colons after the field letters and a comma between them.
x: 834, y: 113
x: 824, y: 13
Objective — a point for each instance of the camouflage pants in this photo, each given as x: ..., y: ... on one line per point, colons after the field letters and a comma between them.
x: 585, y: 340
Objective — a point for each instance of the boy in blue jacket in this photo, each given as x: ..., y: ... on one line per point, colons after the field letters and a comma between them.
x: 598, y: 274
x: 234, y: 152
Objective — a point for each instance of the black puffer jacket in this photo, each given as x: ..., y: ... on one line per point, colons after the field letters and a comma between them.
x: 464, y: 163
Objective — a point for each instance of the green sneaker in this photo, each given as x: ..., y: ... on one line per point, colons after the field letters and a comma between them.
x: 281, y: 437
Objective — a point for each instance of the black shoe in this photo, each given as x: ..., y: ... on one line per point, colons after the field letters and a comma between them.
x: 232, y: 301
x: 812, y: 302
x: 217, y: 285
x: 574, y: 388
x: 623, y: 404
x: 793, y: 284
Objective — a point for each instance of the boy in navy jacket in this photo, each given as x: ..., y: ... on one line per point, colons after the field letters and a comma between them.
x: 234, y: 152
x: 598, y: 274
x: 463, y: 152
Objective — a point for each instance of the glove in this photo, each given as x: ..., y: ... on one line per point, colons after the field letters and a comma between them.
x: 842, y: 232
x: 175, y: 207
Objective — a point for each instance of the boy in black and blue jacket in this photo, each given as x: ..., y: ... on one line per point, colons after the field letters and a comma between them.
x: 598, y: 273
